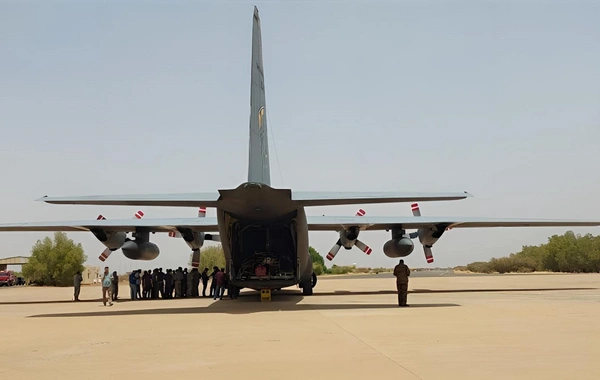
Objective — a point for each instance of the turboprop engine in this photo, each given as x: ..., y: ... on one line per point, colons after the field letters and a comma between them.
x: 348, y: 239
x: 112, y: 240
x: 399, y: 247
x: 141, y: 248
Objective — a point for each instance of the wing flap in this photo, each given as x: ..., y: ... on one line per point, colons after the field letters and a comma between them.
x: 347, y: 198
x: 126, y: 225
x: 336, y: 223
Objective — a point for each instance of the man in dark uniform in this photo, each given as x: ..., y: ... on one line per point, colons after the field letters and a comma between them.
x: 402, y: 273
x: 184, y: 283
x: 213, y: 282
x: 77, y: 280
x: 160, y: 283
x: 168, y: 284
x: 204, y: 281
x: 115, y: 286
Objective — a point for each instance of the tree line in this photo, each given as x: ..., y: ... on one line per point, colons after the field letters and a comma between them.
x: 562, y: 253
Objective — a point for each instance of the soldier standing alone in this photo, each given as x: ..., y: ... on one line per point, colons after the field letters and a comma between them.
x: 402, y: 272
x: 77, y: 279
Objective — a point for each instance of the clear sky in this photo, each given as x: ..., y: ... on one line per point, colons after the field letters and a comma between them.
x: 499, y: 98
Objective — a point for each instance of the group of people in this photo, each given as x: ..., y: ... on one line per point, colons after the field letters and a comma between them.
x: 155, y: 284
x: 177, y: 283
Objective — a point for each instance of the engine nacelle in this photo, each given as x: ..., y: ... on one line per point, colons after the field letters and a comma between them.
x: 111, y: 240
x: 140, y: 251
x: 194, y: 239
x: 348, y: 237
x: 401, y: 247
x: 428, y: 236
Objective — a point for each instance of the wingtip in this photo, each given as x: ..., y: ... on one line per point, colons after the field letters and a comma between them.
x: 469, y: 195
x: 42, y: 199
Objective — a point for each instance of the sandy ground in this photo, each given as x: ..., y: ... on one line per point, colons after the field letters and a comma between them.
x: 483, y: 327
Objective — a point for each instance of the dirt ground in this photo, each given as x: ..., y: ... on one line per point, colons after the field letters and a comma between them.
x: 462, y: 327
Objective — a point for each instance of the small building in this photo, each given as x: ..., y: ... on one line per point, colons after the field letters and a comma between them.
x: 91, y: 275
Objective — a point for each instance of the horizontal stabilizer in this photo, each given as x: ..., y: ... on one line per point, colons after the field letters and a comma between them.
x: 320, y: 198
x: 210, y: 199
x: 166, y: 200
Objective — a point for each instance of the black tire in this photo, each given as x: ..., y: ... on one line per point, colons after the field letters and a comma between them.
x: 307, y: 291
x: 313, y: 282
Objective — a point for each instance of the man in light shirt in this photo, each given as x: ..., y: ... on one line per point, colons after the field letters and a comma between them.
x: 106, y: 287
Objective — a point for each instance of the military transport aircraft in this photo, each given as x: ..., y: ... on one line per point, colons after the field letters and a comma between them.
x: 264, y: 230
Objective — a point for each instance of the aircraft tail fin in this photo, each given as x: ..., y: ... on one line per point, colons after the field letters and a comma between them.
x: 258, y: 163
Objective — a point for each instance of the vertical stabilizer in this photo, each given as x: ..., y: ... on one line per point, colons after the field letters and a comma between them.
x: 258, y: 164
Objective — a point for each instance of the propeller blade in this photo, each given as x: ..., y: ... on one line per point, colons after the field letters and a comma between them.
x: 334, y: 250
x: 360, y: 212
x: 100, y: 217
x: 415, y: 209
x: 428, y: 254
x: 195, y: 259
x: 363, y: 247
x: 201, y: 212
x: 139, y: 214
x: 104, y: 255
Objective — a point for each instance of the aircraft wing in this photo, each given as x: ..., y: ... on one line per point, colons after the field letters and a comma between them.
x: 337, y: 223
x: 153, y: 225
x: 210, y: 199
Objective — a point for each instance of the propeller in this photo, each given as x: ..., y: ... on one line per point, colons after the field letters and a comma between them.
x: 359, y: 244
x: 201, y: 214
x: 106, y: 253
x: 426, y: 249
x: 194, y: 260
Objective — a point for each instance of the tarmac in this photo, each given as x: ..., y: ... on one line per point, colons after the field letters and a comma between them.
x: 539, y: 326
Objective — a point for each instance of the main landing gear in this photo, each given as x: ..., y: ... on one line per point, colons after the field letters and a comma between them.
x: 307, y: 288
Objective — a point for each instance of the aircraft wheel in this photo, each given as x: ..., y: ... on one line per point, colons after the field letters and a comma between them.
x: 313, y: 282
x: 307, y: 290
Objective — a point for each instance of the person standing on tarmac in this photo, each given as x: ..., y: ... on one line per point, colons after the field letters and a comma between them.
x: 184, y: 284
x: 77, y: 280
x: 168, y: 284
x: 402, y: 272
x: 106, y: 288
x: 115, y: 286
x: 160, y: 283
x: 204, y: 281
x: 178, y: 277
x: 213, y: 282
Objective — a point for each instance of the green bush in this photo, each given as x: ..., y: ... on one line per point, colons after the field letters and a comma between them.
x: 565, y: 253
x: 342, y: 270
x: 54, y: 262
x: 318, y: 269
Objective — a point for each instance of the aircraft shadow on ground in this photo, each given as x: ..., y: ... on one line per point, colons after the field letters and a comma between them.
x: 247, y: 303
x: 296, y: 294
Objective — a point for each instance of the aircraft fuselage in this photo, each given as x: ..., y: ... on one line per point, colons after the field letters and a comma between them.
x: 264, y: 235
